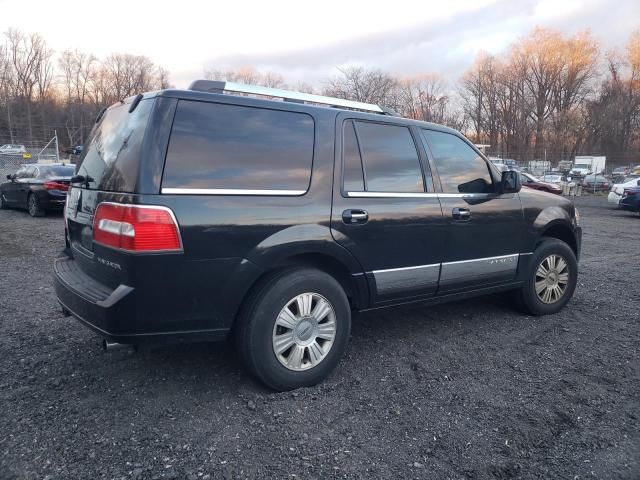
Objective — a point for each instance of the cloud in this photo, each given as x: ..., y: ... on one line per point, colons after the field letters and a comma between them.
x: 446, y: 46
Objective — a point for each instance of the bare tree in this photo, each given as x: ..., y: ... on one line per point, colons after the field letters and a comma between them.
x: 424, y: 98
x: 362, y: 85
x: 25, y: 53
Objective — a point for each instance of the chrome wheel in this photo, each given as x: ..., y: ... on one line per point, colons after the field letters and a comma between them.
x: 304, y: 331
x: 552, y: 278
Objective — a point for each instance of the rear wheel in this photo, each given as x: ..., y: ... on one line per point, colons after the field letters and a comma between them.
x: 552, y: 278
x: 33, y: 205
x: 294, y: 329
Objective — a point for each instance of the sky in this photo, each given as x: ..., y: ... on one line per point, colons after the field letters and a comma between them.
x: 308, y: 41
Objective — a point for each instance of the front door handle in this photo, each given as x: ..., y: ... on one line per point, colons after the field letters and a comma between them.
x: 462, y: 214
x: 352, y: 216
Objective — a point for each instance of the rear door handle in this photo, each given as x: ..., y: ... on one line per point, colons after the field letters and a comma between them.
x: 352, y: 216
x: 462, y: 214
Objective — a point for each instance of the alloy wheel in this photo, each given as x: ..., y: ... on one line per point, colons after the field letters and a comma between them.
x: 304, y: 331
x: 33, y: 206
x: 552, y: 278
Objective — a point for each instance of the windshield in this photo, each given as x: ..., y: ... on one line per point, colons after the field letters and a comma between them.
x: 111, y: 160
x: 51, y: 171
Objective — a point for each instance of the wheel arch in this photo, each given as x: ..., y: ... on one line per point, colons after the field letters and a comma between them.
x: 562, y: 231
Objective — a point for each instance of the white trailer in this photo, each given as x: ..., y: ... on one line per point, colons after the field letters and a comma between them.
x: 587, y: 164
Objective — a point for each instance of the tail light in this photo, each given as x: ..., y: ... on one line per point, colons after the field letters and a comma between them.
x: 629, y: 193
x: 136, y: 228
x: 53, y: 185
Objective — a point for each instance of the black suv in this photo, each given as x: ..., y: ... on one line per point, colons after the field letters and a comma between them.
x: 196, y: 215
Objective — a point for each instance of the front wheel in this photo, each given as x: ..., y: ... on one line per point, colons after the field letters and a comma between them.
x: 294, y: 329
x: 552, y: 278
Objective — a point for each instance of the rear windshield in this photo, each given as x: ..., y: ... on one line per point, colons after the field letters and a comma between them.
x: 56, y: 171
x: 111, y: 158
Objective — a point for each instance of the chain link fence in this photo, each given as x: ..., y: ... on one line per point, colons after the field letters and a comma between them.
x: 44, y: 151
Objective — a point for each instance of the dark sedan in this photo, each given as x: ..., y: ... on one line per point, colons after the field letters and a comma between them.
x: 630, y: 199
x: 37, y: 188
x: 530, y: 181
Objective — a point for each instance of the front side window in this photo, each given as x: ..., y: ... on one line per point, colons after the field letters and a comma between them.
x: 388, y: 156
x: 461, y: 169
x: 222, y: 147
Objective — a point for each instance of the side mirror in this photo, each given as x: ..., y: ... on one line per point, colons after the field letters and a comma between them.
x: 10, y: 177
x: 510, y: 182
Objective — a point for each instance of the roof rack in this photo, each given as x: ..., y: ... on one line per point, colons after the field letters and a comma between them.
x: 215, y: 86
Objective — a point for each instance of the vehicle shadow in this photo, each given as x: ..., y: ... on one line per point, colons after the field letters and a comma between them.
x: 218, y: 364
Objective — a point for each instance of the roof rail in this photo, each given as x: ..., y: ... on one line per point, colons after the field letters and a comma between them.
x: 215, y: 86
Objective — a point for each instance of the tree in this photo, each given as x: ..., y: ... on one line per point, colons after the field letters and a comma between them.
x: 362, y: 85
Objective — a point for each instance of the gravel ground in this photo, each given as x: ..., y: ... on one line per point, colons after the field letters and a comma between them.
x: 466, y: 390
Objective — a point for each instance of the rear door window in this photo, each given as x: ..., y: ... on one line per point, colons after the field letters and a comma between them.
x: 389, y: 159
x: 230, y: 147
x: 112, y: 158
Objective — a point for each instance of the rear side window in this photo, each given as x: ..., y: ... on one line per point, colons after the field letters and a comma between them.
x: 52, y: 171
x: 112, y: 158
x: 460, y: 168
x: 389, y: 159
x: 222, y: 147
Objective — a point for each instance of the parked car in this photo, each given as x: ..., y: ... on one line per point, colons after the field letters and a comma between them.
x: 552, y: 177
x: 618, y: 189
x: 37, y: 188
x: 630, y: 199
x: 621, y: 172
x: 208, y: 215
x: 12, y: 149
x: 76, y: 150
x: 530, y: 181
x: 597, y: 183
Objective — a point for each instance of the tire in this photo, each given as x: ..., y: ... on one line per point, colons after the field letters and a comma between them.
x: 310, y: 347
x: 33, y: 206
x: 540, y: 294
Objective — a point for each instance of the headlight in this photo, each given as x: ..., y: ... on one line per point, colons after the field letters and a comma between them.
x: 576, y: 218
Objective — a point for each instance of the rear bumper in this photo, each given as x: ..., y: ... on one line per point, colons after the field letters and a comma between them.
x: 112, y: 312
x: 104, y: 310
x: 52, y: 200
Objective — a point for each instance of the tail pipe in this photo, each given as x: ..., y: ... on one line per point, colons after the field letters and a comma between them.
x: 108, y: 346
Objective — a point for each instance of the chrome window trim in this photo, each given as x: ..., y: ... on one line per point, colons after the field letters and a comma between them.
x: 230, y: 191
x: 414, y: 195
